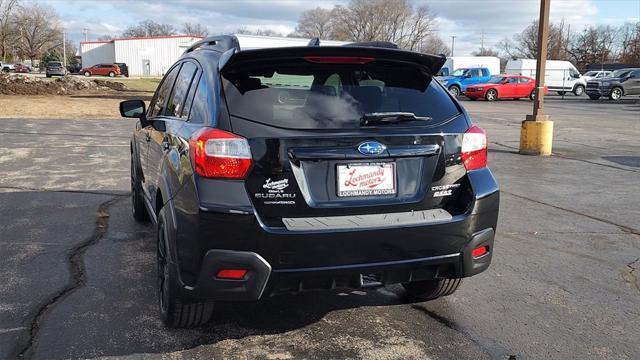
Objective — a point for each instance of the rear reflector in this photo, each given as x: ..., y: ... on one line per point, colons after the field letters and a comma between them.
x: 339, y: 59
x: 231, y: 274
x: 474, y: 148
x: 479, y: 251
x: 220, y: 154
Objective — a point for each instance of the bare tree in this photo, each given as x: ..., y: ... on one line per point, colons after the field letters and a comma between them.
x: 525, y: 44
x: 315, y: 23
x: 433, y: 44
x: 486, y: 52
x: 259, y: 32
x: 38, y: 28
x: 195, y: 29
x: 397, y: 21
x: 7, y: 31
x: 149, y: 28
x: 629, y: 43
x: 593, y: 45
x: 105, y: 38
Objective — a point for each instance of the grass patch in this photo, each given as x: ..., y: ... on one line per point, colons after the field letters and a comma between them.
x: 147, y: 84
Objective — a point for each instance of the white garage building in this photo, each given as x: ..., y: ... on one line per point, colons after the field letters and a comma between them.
x: 152, y: 56
x: 147, y: 56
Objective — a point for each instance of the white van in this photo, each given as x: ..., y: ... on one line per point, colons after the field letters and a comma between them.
x: 459, y: 62
x: 560, y: 76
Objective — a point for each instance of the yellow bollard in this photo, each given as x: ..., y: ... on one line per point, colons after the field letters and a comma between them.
x: 536, y: 137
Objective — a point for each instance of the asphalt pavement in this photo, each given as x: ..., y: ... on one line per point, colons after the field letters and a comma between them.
x: 77, y: 273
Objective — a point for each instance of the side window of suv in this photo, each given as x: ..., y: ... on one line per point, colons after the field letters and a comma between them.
x: 159, y: 102
x: 175, y: 104
x: 200, y: 107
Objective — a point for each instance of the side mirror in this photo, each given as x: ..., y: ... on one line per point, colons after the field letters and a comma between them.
x: 133, y: 109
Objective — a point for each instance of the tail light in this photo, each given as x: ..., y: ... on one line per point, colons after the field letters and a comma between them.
x: 474, y: 148
x: 220, y: 154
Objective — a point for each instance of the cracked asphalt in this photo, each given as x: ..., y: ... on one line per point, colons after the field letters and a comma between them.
x: 77, y: 273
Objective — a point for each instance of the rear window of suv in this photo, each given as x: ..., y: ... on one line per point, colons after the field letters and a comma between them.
x: 297, y: 94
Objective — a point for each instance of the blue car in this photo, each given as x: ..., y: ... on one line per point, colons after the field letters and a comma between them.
x: 458, y: 81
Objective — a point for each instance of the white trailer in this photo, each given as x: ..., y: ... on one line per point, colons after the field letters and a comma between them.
x: 561, y: 76
x: 459, y: 62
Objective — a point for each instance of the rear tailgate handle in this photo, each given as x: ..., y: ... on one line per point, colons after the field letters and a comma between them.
x: 413, y: 150
x: 301, y: 154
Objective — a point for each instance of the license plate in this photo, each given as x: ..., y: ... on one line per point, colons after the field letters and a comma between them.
x: 367, y: 179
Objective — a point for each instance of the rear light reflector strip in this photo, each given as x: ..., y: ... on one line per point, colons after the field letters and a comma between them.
x: 231, y: 274
x: 480, y: 251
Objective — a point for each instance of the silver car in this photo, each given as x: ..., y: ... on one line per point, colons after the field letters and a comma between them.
x: 55, y: 68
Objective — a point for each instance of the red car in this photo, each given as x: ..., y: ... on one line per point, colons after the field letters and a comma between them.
x: 19, y: 68
x: 110, y: 70
x: 504, y: 87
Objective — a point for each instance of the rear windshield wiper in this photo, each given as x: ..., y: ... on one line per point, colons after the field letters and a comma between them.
x: 390, y: 118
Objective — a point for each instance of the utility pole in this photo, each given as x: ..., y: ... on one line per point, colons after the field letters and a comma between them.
x: 536, y: 133
x: 64, y: 49
x: 482, y: 43
x: 85, y: 32
x: 453, y: 43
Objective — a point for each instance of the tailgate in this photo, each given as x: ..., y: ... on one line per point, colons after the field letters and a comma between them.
x: 314, y: 158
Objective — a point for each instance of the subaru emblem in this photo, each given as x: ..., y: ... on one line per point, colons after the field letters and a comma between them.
x: 371, y: 148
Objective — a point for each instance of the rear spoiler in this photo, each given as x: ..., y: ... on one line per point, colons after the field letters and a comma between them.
x: 431, y: 63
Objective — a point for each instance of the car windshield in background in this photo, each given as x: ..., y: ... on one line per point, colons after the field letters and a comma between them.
x: 298, y: 94
x: 459, y: 72
x: 591, y: 73
x: 620, y: 73
x: 496, y: 79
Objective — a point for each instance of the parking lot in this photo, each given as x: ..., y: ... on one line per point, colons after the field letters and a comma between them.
x: 77, y: 274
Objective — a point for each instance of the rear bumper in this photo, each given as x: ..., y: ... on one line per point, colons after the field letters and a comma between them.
x: 262, y: 280
x: 284, y: 261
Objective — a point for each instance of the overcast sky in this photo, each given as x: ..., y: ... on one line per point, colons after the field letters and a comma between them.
x: 466, y: 19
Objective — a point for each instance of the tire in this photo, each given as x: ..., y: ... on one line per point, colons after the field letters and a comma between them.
x: 561, y: 93
x: 87, y: 74
x: 138, y: 209
x: 175, y: 312
x: 532, y: 96
x: 491, y: 95
x: 112, y: 74
x: 432, y: 289
x: 455, y: 91
x: 594, y: 97
x: 615, y: 94
x: 578, y: 90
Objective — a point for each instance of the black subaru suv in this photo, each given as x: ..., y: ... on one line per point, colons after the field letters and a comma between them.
x: 282, y: 170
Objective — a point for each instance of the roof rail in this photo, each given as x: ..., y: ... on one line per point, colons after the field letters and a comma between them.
x: 220, y: 42
x: 380, y: 44
x: 314, y: 42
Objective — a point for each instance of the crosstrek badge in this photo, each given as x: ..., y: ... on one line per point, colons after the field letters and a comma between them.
x: 444, y: 190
